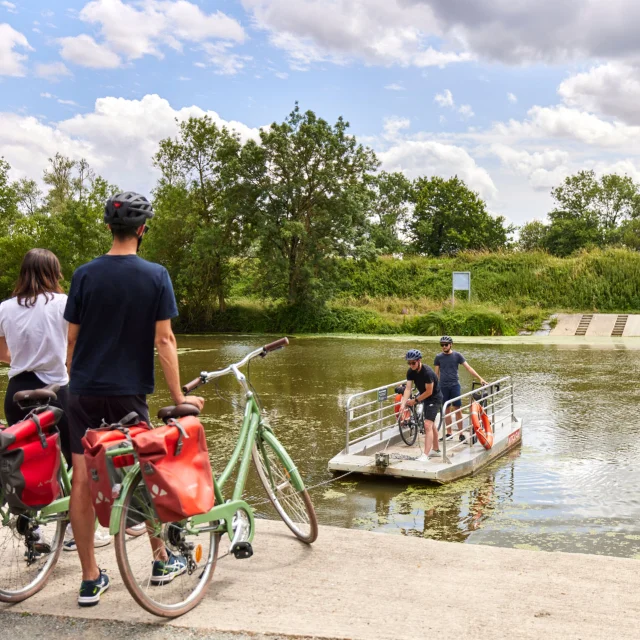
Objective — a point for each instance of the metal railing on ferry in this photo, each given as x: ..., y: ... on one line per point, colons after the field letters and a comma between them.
x: 497, y: 400
x: 370, y: 413
x: 373, y: 413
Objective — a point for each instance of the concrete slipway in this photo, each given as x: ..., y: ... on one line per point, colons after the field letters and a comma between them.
x: 365, y: 585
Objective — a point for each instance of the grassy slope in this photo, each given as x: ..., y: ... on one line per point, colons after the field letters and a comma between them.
x: 510, y: 292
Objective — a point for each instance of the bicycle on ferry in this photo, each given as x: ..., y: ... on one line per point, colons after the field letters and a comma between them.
x: 25, y: 566
x: 410, y: 421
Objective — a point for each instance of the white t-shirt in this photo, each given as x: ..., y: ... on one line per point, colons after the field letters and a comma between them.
x: 37, y: 337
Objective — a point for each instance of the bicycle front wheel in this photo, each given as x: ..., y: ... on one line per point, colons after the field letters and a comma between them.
x: 28, y: 554
x: 408, y: 427
x: 167, y: 571
x: 294, y: 507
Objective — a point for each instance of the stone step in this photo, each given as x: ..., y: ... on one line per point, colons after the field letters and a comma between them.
x: 584, y: 324
x: 621, y: 323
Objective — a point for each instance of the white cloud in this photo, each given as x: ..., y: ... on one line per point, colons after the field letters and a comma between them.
x: 9, y: 6
x: 381, y: 32
x: 46, y: 95
x: 52, y: 71
x: 147, y: 27
x: 428, y: 158
x: 71, y: 103
x: 444, y: 99
x: 115, y: 124
x: 611, y: 89
x: 393, y: 125
x: 394, y: 87
x: 543, y: 169
x: 512, y: 98
x: 225, y: 62
x: 11, y: 61
x: 466, y: 111
x: 85, y: 51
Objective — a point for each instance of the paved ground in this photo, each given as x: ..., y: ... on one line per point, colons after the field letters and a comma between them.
x: 363, y: 585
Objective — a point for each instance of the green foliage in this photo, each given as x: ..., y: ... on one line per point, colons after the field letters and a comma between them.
x: 533, y: 236
x: 390, y: 201
x: 592, y: 213
x: 450, y: 218
x: 313, y: 206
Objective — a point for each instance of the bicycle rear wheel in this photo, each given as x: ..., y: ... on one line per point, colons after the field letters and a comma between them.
x: 161, y: 592
x: 28, y: 554
x: 294, y: 507
x: 408, y: 427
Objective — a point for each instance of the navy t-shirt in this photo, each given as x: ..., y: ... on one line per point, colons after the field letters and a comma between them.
x: 448, y: 363
x: 117, y: 301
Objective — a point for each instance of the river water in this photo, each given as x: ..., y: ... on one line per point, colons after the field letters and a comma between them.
x: 573, y: 485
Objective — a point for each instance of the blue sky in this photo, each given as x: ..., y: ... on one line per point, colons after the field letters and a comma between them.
x: 512, y: 98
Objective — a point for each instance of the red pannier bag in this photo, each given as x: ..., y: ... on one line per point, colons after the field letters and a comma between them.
x: 176, y: 470
x: 107, y: 471
x: 30, y: 460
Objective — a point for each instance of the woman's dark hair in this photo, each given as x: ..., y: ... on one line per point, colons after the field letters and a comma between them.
x: 39, y: 273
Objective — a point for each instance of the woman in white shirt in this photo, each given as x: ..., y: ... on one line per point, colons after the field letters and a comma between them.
x: 33, y: 335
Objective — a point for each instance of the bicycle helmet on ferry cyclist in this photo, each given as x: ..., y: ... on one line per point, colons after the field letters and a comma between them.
x: 446, y: 340
x: 413, y: 354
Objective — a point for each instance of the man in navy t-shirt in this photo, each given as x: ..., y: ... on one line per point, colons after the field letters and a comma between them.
x: 446, y: 367
x: 119, y: 308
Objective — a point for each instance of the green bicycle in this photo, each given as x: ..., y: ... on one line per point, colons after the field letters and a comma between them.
x: 196, y: 540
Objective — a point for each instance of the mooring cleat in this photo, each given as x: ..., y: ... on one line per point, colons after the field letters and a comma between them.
x: 242, y: 550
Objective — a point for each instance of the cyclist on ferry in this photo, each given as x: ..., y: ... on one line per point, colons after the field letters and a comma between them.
x: 119, y: 308
x: 446, y: 367
x: 429, y: 394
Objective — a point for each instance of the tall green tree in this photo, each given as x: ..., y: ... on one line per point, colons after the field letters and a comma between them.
x: 449, y: 217
x: 390, y: 209
x: 590, y: 212
x: 314, y: 203
x: 205, y: 212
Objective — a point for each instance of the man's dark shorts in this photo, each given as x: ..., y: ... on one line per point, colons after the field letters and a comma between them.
x: 430, y: 408
x: 88, y: 412
x: 451, y: 392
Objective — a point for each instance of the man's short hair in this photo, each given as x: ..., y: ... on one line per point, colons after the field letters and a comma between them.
x: 124, y: 233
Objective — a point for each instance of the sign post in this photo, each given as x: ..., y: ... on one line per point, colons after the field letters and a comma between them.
x: 461, y: 282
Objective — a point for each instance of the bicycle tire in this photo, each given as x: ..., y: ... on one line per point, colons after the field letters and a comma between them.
x: 272, y: 466
x: 124, y: 554
x: 11, y: 539
x: 408, y: 427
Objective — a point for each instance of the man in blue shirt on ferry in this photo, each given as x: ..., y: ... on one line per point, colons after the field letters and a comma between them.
x: 446, y: 368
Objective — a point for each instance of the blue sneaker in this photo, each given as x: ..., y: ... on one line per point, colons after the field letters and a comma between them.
x: 91, y: 590
x: 164, y: 572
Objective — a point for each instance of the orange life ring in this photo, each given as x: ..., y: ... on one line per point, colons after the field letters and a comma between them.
x: 398, y: 402
x: 483, y: 431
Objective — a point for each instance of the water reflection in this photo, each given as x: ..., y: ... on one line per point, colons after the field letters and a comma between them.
x: 572, y: 486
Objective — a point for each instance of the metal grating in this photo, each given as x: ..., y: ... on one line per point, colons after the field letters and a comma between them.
x: 618, y: 328
x: 585, y: 321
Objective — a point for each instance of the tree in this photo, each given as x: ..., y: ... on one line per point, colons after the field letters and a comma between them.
x: 449, y: 218
x: 314, y: 203
x: 205, y: 203
x: 590, y: 211
x: 390, y: 207
x: 533, y: 236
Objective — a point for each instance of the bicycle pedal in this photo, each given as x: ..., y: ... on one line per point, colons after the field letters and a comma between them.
x: 242, y: 550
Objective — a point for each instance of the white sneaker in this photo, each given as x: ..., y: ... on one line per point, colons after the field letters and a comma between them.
x: 435, y: 453
x: 101, y: 538
x: 423, y: 457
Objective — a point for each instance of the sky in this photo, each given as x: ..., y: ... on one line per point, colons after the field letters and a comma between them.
x: 511, y: 96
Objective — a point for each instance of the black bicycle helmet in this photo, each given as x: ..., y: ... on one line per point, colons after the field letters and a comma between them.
x: 413, y: 354
x: 128, y: 209
x: 446, y: 339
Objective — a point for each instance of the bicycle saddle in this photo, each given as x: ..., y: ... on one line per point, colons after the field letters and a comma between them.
x: 37, y: 396
x: 178, y: 411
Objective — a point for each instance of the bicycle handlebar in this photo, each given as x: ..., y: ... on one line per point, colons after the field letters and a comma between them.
x: 207, y: 376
